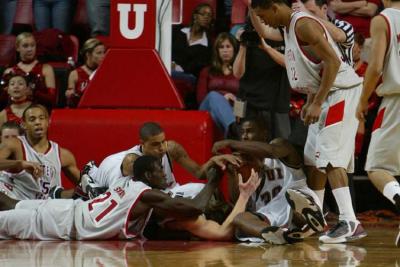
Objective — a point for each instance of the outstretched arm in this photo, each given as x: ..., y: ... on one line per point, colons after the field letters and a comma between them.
x: 211, y: 230
x: 183, y: 207
x: 179, y: 154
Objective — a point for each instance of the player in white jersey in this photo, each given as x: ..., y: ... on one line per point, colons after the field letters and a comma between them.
x: 121, y: 212
x: 154, y: 143
x: 30, y: 165
x: 383, y: 159
x: 283, y: 189
x: 314, y: 67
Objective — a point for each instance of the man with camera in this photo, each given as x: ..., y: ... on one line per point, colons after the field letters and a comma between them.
x: 263, y: 84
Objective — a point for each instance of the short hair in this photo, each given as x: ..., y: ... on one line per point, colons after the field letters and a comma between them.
x: 319, y: 3
x: 35, y: 106
x: 11, y: 125
x: 262, y: 123
x: 266, y: 3
x: 197, y: 9
x: 142, y: 165
x: 149, y: 129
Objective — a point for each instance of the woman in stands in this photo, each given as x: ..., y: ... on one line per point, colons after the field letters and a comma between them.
x: 191, y: 46
x: 217, y: 86
x: 43, y: 80
x: 93, y: 52
x: 19, y: 93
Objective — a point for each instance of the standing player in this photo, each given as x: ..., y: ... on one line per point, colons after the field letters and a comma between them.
x: 121, y: 212
x: 314, y: 67
x: 282, y: 176
x: 383, y: 160
x: 30, y: 165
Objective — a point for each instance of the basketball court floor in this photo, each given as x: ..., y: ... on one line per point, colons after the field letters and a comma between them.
x: 375, y: 250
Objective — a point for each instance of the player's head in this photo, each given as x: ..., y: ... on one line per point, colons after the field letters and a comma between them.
x: 254, y: 129
x: 35, y: 121
x: 318, y: 8
x: 359, y: 41
x: 272, y: 12
x: 10, y: 129
x: 152, y: 138
x: 149, y: 170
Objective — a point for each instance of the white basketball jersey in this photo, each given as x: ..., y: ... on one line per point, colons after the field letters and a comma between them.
x: 277, y: 177
x: 109, y: 171
x: 304, y: 72
x: 165, y: 162
x: 108, y: 215
x: 391, y: 69
x: 23, y: 183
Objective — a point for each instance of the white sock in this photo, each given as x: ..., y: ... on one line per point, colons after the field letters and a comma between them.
x: 343, y: 200
x: 391, y: 189
x: 321, y: 195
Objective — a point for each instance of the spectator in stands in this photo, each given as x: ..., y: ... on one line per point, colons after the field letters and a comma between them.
x: 19, y: 92
x: 98, y: 12
x: 53, y: 14
x: 7, y: 14
x: 42, y: 80
x: 93, y: 52
x: 239, y: 14
x: 217, y: 86
x: 358, y: 13
x: 263, y: 83
x: 191, y: 46
x: 9, y: 130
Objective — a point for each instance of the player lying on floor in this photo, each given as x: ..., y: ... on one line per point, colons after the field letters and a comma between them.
x: 283, y: 209
x: 121, y: 212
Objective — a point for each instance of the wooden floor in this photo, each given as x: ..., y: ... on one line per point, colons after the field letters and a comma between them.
x: 375, y: 250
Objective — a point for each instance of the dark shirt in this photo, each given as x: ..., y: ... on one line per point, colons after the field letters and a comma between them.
x: 264, y: 85
x: 191, y: 58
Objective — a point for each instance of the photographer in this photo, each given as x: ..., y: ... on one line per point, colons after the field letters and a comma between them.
x: 263, y: 84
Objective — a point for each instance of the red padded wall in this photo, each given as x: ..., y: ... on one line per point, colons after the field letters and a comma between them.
x: 131, y: 78
x: 95, y: 134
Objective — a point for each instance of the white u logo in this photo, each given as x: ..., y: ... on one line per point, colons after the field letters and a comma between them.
x: 124, y: 10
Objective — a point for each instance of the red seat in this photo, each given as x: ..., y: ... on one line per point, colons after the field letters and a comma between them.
x: 7, y: 50
x: 105, y: 132
x: 182, y: 10
x: 24, y: 13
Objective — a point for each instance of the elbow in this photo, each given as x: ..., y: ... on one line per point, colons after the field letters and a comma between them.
x: 238, y: 73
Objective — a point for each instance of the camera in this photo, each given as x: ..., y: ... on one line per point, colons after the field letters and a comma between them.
x: 250, y: 37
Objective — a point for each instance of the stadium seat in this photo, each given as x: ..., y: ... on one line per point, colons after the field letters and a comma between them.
x: 7, y: 50
x: 99, y: 133
x: 182, y: 10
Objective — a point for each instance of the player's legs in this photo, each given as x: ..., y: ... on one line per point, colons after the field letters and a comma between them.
x: 316, y: 180
x: 17, y: 224
x: 383, y: 160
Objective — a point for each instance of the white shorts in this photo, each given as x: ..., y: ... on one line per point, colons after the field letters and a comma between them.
x: 39, y: 220
x: 189, y: 190
x: 384, y: 148
x: 332, y: 139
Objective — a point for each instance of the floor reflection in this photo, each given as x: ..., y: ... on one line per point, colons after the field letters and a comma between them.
x: 181, y: 253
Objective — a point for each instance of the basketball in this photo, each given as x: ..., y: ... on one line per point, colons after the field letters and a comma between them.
x: 248, y: 163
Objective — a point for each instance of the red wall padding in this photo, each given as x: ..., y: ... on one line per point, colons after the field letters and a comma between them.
x: 92, y: 134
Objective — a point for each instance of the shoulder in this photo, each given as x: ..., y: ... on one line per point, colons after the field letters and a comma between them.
x: 47, y: 69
